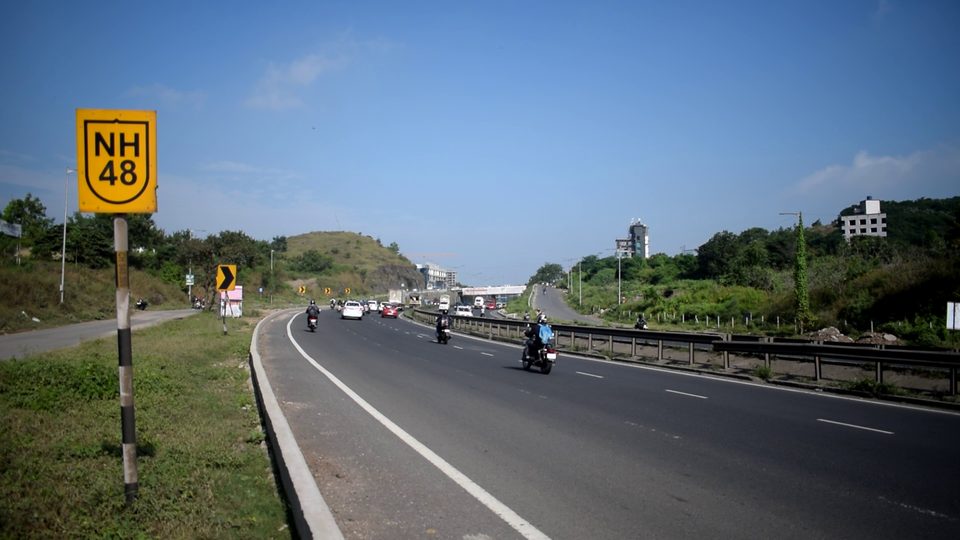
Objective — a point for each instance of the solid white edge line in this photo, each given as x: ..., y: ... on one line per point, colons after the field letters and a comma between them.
x: 314, y: 509
x: 854, y: 426
x: 686, y: 394
x: 589, y: 374
x: 455, y: 347
x: 522, y: 526
x: 486, y: 353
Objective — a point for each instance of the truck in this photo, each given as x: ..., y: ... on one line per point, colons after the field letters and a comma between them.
x: 396, y: 296
x: 444, y: 302
x: 413, y: 300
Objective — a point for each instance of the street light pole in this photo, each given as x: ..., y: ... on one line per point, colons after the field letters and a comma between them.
x: 618, y: 277
x: 63, y: 250
x: 580, y: 279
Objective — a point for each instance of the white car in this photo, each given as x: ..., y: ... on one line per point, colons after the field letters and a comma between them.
x: 372, y: 304
x: 352, y: 310
x: 464, y: 311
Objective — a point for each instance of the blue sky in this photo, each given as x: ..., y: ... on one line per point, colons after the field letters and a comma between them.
x: 510, y: 133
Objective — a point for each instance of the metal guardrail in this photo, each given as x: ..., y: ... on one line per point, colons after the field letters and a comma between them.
x: 784, y: 349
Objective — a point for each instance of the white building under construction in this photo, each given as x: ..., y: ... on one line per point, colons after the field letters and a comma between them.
x: 637, y: 240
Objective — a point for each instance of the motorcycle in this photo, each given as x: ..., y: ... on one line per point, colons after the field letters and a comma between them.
x: 545, y: 359
x: 641, y: 325
x: 526, y: 315
x: 141, y: 304
x: 444, y: 334
x: 312, y: 323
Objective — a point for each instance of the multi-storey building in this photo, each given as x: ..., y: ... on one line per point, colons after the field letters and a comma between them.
x: 637, y: 240
x: 867, y: 220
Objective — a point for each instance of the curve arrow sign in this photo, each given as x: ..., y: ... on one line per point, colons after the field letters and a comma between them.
x: 226, y: 277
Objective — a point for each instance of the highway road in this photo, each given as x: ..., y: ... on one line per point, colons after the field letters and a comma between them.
x: 552, y: 303
x: 23, y: 344
x: 408, y: 438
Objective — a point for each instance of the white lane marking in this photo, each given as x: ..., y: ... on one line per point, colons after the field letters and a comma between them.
x: 589, y: 375
x: 455, y: 347
x: 486, y: 353
x: 918, y: 509
x: 522, y: 526
x: 855, y: 426
x: 686, y: 394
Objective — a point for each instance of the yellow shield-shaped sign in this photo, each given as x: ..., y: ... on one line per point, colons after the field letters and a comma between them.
x: 117, y: 161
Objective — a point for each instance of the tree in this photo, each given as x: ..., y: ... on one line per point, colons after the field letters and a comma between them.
x: 394, y: 248
x: 547, y: 273
x: 312, y: 261
x: 31, y: 215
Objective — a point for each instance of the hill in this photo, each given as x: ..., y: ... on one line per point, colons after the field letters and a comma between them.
x: 340, y: 259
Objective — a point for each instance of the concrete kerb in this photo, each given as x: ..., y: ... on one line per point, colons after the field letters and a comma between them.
x: 312, y: 516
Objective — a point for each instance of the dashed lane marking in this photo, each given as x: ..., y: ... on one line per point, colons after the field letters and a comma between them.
x: 855, y: 426
x: 686, y: 394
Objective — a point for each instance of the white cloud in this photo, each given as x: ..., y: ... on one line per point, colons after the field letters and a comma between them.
x: 927, y: 173
x: 883, y: 7
x: 280, y: 87
x: 243, y: 168
x: 169, y: 96
x: 7, y: 155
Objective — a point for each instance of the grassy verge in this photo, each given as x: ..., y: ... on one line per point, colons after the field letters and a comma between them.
x: 203, y: 471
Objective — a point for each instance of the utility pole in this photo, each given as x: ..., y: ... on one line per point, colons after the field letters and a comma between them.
x: 63, y: 250
x: 800, y: 274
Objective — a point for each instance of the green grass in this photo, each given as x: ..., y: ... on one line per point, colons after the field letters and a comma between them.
x: 202, y: 470
x: 763, y: 372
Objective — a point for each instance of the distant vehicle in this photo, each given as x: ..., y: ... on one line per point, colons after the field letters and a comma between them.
x: 444, y: 302
x: 389, y: 311
x: 464, y: 311
x: 413, y: 300
x: 501, y: 305
x: 352, y: 310
x: 478, y: 302
x: 371, y: 305
x: 491, y: 304
x: 396, y: 296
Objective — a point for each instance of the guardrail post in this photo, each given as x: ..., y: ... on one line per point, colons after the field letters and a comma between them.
x: 659, y: 350
x: 726, y: 354
x: 691, y: 352
x: 611, y: 345
x: 816, y: 368
x: 879, y: 372
x: 590, y: 342
x: 953, y: 381
x: 766, y: 356
x: 633, y: 346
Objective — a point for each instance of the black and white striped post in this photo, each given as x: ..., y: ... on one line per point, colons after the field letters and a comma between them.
x: 125, y: 349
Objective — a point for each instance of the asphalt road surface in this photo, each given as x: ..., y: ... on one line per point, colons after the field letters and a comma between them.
x: 408, y: 438
x: 550, y: 300
x: 23, y: 344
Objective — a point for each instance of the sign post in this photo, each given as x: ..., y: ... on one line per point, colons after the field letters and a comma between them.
x: 117, y: 174
x: 226, y: 281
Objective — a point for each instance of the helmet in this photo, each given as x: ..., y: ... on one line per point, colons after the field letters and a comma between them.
x: 542, y: 319
x: 313, y: 303
x: 444, y: 312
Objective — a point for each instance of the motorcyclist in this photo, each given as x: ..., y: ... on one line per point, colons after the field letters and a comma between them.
x: 442, y: 319
x: 526, y: 315
x: 532, y: 347
x: 641, y: 323
x: 312, y: 311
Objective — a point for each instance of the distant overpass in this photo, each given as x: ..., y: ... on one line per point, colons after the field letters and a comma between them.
x: 492, y: 290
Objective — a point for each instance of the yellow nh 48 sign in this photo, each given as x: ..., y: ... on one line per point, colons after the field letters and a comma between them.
x: 117, y: 160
